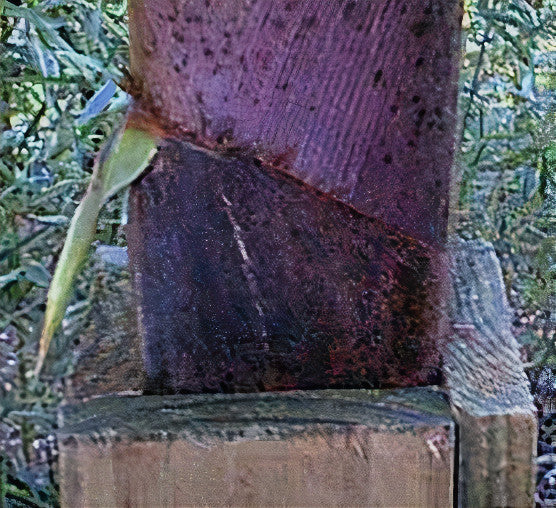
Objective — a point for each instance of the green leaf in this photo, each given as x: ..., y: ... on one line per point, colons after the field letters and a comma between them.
x: 37, y: 274
x: 9, y: 277
x: 123, y: 159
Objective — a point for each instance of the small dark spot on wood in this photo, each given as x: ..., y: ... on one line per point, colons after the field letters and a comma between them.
x: 171, y: 19
x: 430, y: 124
x: 312, y: 108
x: 309, y: 22
x: 419, y: 61
x: 421, y: 113
x: 416, y: 99
x: 359, y: 27
x: 188, y: 19
x: 241, y: 59
x: 288, y: 7
x: 257, y: 162
x: 202, y: 39
x: 377, y: 77
x: 348, y: 9
x: 394, y: 108
x: 438, y: 183
x: 177, y: 68
x: 411, y: 143
x: 438, y: 112
x: 199, y: 97
x: 227, y: 35
x: 284, y: 86
x: 178, y: 36
x: 404, y: 9
x: 388, y: 158
x: 428, y: 10
x: 208, y: 52
x: 256, y: 101
x: 420, y: 28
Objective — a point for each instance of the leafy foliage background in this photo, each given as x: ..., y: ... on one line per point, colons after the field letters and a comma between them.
x: 59, y: 60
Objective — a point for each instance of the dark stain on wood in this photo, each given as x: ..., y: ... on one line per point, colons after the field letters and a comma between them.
x: 250, y: 280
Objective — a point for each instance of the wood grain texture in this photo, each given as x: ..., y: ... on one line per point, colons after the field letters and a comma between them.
x: 488, y: 386
x: 249, y: 280
x: 355, y: 98
x: 322, y: 448
x: 108, y: 354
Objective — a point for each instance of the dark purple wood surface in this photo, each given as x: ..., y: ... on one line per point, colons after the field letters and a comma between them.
x: 250, y: 280
x: 302, y: 248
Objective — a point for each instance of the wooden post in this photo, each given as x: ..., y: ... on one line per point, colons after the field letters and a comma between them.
x: 291, y: 231
x: 488, y: 386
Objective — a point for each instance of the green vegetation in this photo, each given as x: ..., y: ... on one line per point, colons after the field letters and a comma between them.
x: 59, y: 62
x: 507, y: 157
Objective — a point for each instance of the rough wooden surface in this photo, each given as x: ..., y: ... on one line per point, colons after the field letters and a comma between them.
x: 355, y: 98
x: 320, y: 448
x: 488, y: 386
x: 249, y: 280
x: 108, y: 354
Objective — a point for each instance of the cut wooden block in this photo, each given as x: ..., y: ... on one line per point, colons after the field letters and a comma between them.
x: 319, y: 448
x: 488, y: 388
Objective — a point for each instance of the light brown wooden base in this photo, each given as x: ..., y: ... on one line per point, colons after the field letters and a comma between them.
x: 322, y: 448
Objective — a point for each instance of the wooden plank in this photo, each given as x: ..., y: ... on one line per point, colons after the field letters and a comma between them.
x: 108, y: 353
x: 488, y: 387
x: 320, y: 448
